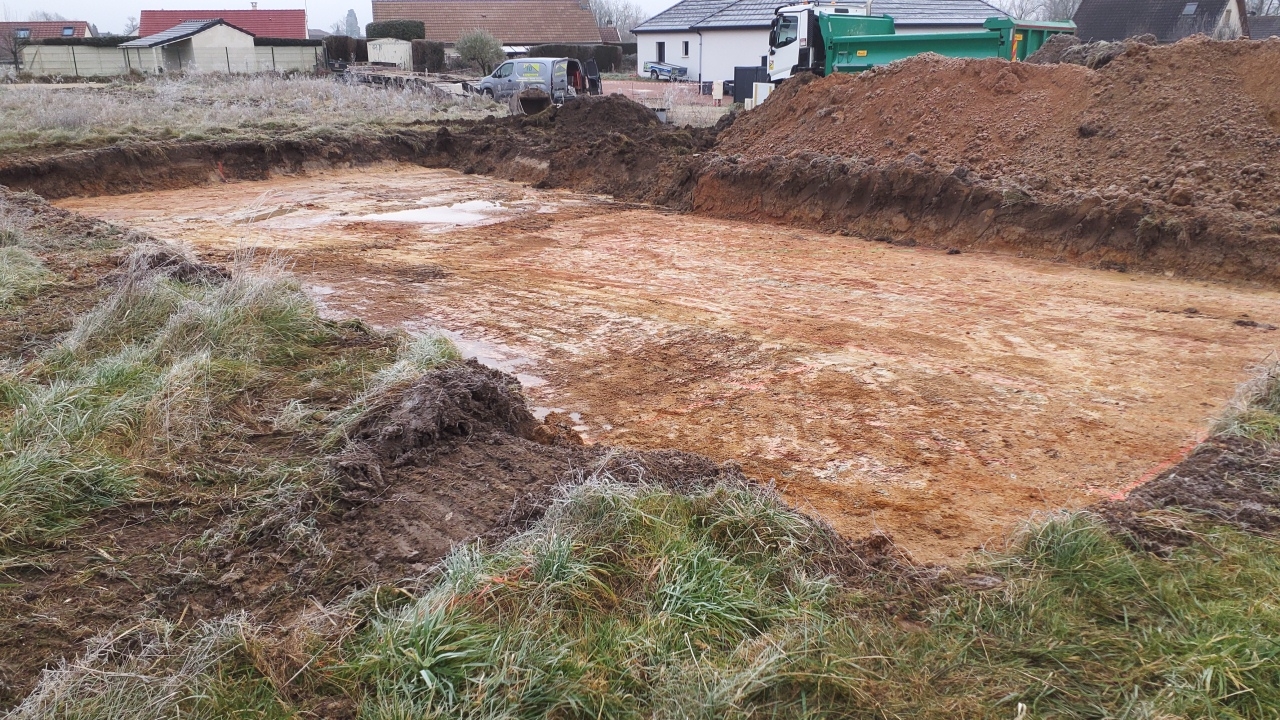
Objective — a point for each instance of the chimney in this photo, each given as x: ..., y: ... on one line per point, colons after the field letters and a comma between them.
x: 253, y: 5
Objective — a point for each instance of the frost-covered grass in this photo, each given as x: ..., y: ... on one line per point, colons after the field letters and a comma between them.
x: 202, y: 107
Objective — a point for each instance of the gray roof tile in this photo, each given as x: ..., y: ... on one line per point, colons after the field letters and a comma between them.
x: 181, y: 31
x: 683, y: 15
x: 1168, y: 20
x: 1262, y: 27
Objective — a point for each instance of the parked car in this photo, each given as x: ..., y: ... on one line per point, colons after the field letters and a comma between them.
x: 558, y: 78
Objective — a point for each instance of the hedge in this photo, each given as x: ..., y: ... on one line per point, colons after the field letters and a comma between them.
x: 285, y: 42
x: 344, y: 48
x: 428, y: 56
x: 608, y: 57
x: 106, y: 41
x: 407, y: 30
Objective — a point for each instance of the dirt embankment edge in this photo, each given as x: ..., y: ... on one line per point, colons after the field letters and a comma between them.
x: 916, y: 205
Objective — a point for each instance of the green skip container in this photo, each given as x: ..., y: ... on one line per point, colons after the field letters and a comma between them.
x: 857, y: 43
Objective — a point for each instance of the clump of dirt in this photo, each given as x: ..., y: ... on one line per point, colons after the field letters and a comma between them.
x: 1070, y: 49
x: 457, y: 455
x: 1165, y: 149
x: 597, y: 116
x: 1229, y: 481
x: 148, y: 258
x: 454, y: 402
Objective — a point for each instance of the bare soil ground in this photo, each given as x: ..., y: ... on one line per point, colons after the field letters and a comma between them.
x: 939, y: 397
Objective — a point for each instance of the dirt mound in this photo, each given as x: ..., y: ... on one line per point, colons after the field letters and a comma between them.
x: 593, y: 116
x: 1169, y: 145
x: 456, y: 455
x: 1070, y: 49
x: 452, y: 403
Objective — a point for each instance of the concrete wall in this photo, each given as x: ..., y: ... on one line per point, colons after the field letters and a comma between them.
x: 723, y: 50
x: 72, y: 61
x: 391, y: 50
x: 80, y: 61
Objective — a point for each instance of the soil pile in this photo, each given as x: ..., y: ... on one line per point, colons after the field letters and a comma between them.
x: 604, y: 144
x: 457, y: 455
x: 1174, y: 145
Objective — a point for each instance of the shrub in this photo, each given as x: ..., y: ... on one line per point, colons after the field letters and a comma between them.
x: 340, y: 48
x: 408, y: 30
x: 428, y: 56
x: 478, y: 47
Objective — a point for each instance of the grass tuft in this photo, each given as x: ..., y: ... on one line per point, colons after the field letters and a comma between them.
x: 21, y: 275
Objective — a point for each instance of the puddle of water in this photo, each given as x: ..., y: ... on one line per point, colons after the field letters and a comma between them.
x: 472, y: 212
x: 494, y: 355
x: 541, y: 412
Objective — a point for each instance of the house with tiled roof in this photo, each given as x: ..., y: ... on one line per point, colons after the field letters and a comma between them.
x: 290, y: 24
x: 16, y: 35
x: 512, y: 22
x: 1168, y: 20
x: 712, y: 37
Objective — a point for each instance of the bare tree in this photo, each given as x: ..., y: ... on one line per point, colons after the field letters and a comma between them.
x: 131, y: 25
x: 623, y: 14
x: 1042, y: 9
x: 11, y: 48
x: 46, y: 16
x: 1263, y: 7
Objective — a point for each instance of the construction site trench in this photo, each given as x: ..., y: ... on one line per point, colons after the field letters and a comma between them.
x: 942, y: 397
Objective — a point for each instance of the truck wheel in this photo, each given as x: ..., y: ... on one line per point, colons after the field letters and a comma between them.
x: 653, y: 74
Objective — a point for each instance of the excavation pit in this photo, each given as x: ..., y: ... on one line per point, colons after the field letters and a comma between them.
x: 940, y: 397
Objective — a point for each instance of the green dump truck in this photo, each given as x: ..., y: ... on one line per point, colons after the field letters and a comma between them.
x: 823, y: 39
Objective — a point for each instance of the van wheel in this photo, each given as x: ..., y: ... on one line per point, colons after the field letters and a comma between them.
x: 653, y: 74
x: 487, y: 92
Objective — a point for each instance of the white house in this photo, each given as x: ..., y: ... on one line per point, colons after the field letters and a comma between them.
x: 712, y: 37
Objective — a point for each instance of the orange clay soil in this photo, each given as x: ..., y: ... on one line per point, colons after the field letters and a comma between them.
x: 942, y: 398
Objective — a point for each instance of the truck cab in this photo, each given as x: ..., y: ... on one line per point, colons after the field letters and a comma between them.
x: 795, y: 38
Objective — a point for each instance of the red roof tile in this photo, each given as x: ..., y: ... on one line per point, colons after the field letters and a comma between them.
x: 45, y: 29
x: 513, y: 22
x: 262, y: 23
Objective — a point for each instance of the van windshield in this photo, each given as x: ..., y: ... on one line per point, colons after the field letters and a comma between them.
x: 788, y: 28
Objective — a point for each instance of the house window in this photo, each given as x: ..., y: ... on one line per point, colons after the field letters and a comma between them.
x: 22, y: 33
x: 68, y: 31
x: 662, y: 52
x: 684, y: 48
x: 1190, y: 8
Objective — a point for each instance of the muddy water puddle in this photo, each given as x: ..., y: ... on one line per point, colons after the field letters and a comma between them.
x: 941, y: 398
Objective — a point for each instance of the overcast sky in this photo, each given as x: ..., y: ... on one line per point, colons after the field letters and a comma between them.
x: 110, y: 16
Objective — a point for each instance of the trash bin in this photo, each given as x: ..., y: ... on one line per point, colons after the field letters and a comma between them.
x: 743, y: 78
x: 706, y: 87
